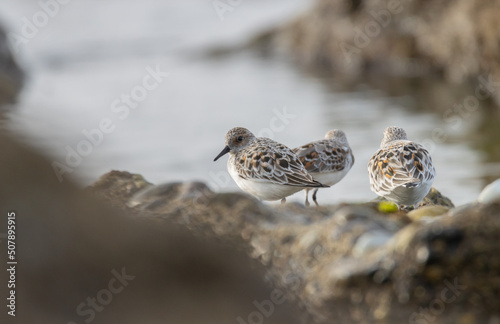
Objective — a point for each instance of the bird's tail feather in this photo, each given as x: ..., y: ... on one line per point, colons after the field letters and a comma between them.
x: 413, y: 183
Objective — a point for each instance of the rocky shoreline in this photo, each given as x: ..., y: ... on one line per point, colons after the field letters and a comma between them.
x: 345, y: 263
x: 185, y: 254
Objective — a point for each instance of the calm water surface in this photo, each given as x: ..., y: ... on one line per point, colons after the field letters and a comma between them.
x: 94, y: 52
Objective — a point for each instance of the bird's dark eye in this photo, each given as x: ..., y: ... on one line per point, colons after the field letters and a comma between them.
x: 239, y: 139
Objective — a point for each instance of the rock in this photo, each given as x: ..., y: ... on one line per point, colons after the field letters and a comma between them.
x: 193, y: 205
x: 80, y: 260
x: 118, y: 187
x: 151, y: 195
x: 350, y: 263
x: 427, y: 212
x: 463, y: 209
x: 490, y: 193
x: 434, y: 197
x: 11, y: 76
x: 370, y: 241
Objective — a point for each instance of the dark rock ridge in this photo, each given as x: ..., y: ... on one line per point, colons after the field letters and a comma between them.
x: 347, y: 263
x: 11, y: 76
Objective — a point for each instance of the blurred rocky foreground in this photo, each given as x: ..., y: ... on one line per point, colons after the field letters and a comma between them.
x: 126, y: 251
x: 82, y: 261
x: 347, y: 263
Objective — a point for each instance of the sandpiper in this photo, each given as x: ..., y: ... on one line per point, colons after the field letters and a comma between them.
x: 401, y: 170
x: 264, y: 168
x: 327, y: 160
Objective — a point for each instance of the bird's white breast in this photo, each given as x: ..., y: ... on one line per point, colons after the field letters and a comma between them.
x: 261, y: 189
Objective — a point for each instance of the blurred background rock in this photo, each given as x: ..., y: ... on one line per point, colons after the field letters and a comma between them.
x: 11, y: 76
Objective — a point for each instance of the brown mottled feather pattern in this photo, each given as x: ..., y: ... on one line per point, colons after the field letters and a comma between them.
x: 268, y: 160
x: 324, y: 156
x: 399, y: 163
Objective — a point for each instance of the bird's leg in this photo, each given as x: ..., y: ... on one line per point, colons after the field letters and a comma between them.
x: 307, y: 197
x: 283, y: 201
x: 406, y: 208
x: 314, y: 197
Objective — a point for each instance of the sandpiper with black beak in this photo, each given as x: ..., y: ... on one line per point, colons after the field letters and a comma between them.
x: 264, y: 168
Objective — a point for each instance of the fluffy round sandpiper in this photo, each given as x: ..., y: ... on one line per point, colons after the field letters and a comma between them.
x: 264, y: 168
x: 401, y: 170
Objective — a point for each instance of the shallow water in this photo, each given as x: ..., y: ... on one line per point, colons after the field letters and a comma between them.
x: 91, y: 53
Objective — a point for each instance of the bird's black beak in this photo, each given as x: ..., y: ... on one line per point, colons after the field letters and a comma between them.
x: 224, y: 151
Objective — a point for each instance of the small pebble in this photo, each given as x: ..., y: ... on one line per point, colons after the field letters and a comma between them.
x: 490, y: 193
